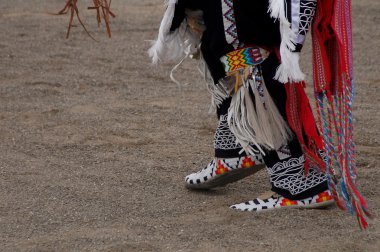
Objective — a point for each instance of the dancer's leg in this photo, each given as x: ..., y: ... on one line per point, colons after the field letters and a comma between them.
x: 285, y: 166
x: 230, y: 163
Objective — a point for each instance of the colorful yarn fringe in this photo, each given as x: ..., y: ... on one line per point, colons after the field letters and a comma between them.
x: 334, y: 93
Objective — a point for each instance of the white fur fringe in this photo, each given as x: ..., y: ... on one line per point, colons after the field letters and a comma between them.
x: 289, y: 69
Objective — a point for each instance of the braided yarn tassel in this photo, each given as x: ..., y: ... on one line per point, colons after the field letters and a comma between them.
x: 334, y: 93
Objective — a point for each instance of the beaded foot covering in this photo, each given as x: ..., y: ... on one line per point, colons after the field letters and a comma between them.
x: 320, y: 200
x: 220, y: 172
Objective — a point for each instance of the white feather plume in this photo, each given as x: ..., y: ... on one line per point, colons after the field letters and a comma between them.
x: 174, y: 46
x: 159, y: 50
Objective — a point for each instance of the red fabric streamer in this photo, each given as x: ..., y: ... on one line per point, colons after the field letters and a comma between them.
x: 333, y: 86
x: 301, y: 121
x: 333, y: 89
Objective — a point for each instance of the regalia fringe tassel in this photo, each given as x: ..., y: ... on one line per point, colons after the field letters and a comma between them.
x: 334, y: 93
x: 335, y: 115
x: 253, y: 116
x: 289, y: 70
x: 217, y: 91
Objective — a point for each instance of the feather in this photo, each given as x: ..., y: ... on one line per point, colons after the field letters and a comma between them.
x: 173, y: 46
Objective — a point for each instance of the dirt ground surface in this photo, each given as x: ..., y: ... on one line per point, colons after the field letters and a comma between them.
x: 95, y: 144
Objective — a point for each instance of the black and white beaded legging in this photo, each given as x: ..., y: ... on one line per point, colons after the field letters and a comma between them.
x: 285, y: 166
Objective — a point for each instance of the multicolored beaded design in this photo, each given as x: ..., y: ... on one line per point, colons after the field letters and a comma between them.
x: 243, y: 58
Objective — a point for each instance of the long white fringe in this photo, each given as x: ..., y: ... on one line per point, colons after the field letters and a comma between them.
x: 218, y: 91
x: 256, y: 120
x: 289, y: 69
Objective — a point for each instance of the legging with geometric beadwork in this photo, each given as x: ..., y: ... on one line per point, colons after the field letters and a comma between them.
x: 285, y: 166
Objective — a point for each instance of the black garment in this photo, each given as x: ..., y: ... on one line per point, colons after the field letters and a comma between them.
x: 255, y: 27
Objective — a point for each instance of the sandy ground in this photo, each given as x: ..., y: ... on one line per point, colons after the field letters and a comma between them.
x: 95, y: 144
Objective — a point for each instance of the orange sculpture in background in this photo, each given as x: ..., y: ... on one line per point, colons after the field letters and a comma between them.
x: 102, y: 8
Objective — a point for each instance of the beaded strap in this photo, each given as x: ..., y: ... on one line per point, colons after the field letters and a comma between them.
x: 242, y: 58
